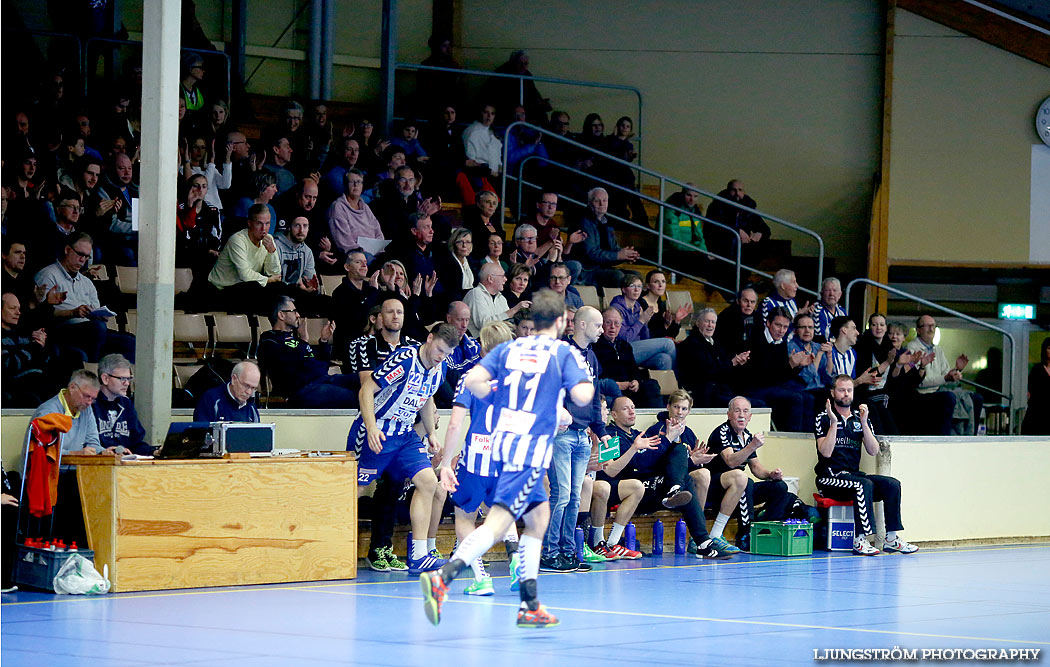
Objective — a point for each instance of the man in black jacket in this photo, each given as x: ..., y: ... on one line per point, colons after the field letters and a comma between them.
x: 752, y: 231
x: 771, y: 374
x: 618, y: 365
x: 739, y: 323
x: 704, y: 368
x: 293, y: 367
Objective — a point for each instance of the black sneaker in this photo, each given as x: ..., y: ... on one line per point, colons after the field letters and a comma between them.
x: 707, y: 549
x: 552, y: 564
x: 743, y: 542
x: 676, y: 497
x: 573, y: 564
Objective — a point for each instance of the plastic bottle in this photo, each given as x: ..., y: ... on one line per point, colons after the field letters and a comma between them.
x: 579, y: 543
x: 680, y: 532
x: 630, y: 537
x: 658, y: 538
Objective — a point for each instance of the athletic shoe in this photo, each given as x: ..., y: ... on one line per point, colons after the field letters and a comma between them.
x: 899, y: 545
x: 555, y: 564
x: 480, y: 587
x: 603, y: 550
x: 862, y: 547
x: 710, y: 551
x: 396, y: 564
x: 516, y: 570
x: 417, y: 566
x: 691, y: 547
x: 434, y: 593
x: 572, y: 564
x: 540, y: 618
x: 722, y: 545
x: 620, y: 551
x: 590, y: 556
x: 676, y: 497
x: 379, y: 563
x: 9, y: 589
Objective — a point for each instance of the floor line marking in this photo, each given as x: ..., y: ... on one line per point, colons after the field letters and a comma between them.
x: 354, y: 584
x: 673, y: 617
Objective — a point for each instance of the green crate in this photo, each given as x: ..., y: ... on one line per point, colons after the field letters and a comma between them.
x: 773, y: 538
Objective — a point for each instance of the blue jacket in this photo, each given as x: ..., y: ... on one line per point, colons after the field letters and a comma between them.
x: 217, y: 405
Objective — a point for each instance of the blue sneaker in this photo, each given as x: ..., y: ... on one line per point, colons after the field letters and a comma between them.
x: 723, y: 546
x: 417, y: 566
x: 515, y: 573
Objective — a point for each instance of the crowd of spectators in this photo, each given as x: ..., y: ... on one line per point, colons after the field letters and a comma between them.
x: 265, y: 212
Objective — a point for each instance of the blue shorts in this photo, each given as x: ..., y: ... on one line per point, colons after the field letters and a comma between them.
x: 518, y: 491
x: 402, y: 457
x: 473, y: 490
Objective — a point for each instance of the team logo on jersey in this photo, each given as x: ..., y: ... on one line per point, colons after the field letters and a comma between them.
x: 855, y: 426
x: 528, y: 361
x: 395, y: 375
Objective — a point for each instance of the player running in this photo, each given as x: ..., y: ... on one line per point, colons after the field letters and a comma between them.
x: 532, y: 375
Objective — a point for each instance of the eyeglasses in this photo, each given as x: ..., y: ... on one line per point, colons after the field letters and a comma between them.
x: 528, y: 238
x: 83, y: 255
x: 559, y: 278
x: 125, y: 379
x: 292, y: 310
x: 406, y: 180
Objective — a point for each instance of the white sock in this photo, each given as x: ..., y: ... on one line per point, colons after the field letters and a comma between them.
x: 599, y: 532
x: 615, y: 534
x: 419, y: 549
x: 475, y: 544
x: 512, y: 533
x: 529, y: 549
x: 479, y: 569
x: 891, y: 536
x: 432, y: 543
x: 720, y: 524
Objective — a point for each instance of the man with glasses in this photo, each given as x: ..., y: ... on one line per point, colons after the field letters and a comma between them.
x: 561, y: 283
x: 119, y: 428
x: 78, y: 320
x: 486, y: 301
x: 398, y: 201
x: 548, y: 232
x: 233, y: 401
x: 940, y: 380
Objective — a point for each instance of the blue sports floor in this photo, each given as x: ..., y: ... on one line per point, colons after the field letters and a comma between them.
x: 753, y: 610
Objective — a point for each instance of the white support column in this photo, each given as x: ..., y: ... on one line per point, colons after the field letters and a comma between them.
x: 157, y: 205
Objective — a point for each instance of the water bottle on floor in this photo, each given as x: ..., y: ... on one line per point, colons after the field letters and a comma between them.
x: 680, y: 532
x: 658, y: 538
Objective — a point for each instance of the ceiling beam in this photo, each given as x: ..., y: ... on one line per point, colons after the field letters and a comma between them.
x: 987, y: 26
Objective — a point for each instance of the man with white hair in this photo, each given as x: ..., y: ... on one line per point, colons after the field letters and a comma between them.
x: 785, y: 287
x: 828, y: 307
x: 233, y: 401
x: 600, y: 252
x: 486, y: 301
x: 119, y: 428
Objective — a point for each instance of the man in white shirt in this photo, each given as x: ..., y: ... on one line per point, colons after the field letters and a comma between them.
x: 482, y: 147
x: 486, y: 301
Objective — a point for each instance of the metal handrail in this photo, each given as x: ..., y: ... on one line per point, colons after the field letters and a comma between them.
x: 659, y: 262
x: 953, y: 313
x: 545, y: 79
x: 129, y: 42
x: 662, y: 204
x: 659, y: 231
x: 663, y: 180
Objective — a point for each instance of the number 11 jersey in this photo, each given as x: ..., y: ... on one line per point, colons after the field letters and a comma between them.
x: 532, y: 376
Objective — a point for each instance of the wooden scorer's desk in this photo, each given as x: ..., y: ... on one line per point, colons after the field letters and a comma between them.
x: 165, y: 524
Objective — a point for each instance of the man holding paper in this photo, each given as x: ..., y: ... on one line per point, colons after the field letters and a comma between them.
x: 80, y: 320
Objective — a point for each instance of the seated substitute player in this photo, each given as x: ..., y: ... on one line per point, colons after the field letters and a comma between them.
x: 840, y: 432
x: 736, y: 447
x: 660, y: 466
x: 472, y: 480
x: 396, y: 391
x: 532, y: 376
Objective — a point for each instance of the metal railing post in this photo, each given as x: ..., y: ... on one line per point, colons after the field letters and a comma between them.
x: 954, y: 313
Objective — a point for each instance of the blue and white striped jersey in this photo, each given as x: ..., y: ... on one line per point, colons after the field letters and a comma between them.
x: 404, y: 387
x: 532, y: 376
x: 477, y: 452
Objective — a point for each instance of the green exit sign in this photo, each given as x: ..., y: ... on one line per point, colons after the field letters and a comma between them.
x: 1016, y: 311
